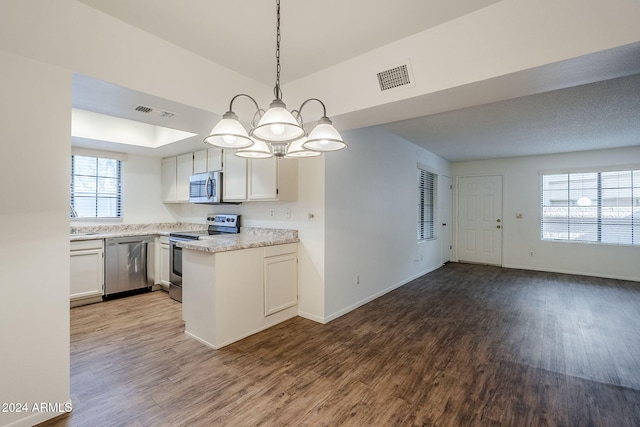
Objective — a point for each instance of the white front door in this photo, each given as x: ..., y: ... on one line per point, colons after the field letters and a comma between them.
x: 480, y: 219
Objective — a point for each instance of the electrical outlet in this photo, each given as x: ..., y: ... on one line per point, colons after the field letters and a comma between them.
x: 287, y: 213
x: 272, y: 213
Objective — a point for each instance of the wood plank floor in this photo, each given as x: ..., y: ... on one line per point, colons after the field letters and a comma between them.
x: 465, y: 345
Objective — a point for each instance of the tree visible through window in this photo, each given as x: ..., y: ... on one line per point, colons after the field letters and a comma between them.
x: 96, y: 187
x: 598, y: 207
x: 426, y: 204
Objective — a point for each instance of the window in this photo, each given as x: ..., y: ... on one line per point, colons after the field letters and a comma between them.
x: 96, y: 187
x: 598, y: 207
x: 426, y: 204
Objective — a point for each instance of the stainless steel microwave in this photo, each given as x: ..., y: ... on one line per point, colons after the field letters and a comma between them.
x: 205, y: 187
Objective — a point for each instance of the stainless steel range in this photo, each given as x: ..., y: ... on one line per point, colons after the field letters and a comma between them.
x: 217, y: 224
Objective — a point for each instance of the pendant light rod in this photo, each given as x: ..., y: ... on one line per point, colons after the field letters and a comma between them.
x: 276, y: 90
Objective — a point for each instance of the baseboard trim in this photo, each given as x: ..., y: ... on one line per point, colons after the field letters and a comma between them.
x: 243, y: 336
x: 364, y: 301
x: 571, y: 272
x: 313, y: 317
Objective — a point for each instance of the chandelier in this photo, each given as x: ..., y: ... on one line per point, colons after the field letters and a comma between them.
x: 275, y: 132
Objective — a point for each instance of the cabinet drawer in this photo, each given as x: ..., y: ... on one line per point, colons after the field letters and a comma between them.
x: 83, y: 245
x: 276, y: 250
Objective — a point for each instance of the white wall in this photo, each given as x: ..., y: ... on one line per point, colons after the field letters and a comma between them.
x: 521, y: 194
x: 141, y: 192
x: 34, y: 224
x: 371, y: 205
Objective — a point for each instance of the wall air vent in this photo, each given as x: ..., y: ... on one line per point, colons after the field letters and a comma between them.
x: 395, y: 77
x: 155, y: 111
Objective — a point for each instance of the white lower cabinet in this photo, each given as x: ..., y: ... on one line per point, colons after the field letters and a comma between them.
x: 280, y: 278
x: 165, y: 267
x: 230, y: 295
x: 87, y: 271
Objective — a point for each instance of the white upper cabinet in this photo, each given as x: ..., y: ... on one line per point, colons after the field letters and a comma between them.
x: 169, y: 170
x: 184, y: 170
x: 200, y: 161
x: 270, y: 179
x: 214, y: 159
x: 208, y: 160
x: 175, y: 178
x: 263, y: 179
x: 234, y: 179
x: 273, y: 179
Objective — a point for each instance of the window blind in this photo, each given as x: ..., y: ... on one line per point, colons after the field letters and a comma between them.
x: 426, y: 204
x: 596, y: 207
x: 96, y: 187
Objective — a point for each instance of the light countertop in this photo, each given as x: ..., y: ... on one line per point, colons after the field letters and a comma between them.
x: 246, y: 239
x: 249, y: 237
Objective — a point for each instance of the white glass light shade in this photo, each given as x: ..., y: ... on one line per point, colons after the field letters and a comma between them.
x: 296, y: 150
x: 229, y: 133
x: 259, y: 150
x: 324, y: 137
x: 277, y: 125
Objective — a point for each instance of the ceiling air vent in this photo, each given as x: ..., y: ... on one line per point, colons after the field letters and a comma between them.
x: 143, y: 109
x: 395, y: 77
x: 155, y: 111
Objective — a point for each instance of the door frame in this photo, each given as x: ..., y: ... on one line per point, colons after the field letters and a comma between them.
x: 448, y: 221
x: 456, y: 210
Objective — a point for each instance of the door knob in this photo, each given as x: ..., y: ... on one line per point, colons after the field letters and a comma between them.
x: 498, y: 220
x: 498, y: 226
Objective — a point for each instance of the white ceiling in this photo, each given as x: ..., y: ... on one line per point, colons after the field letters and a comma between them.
x: 595, y: 116
x: 315, y: 35
x: 241, y: 35
x: 106, y: 98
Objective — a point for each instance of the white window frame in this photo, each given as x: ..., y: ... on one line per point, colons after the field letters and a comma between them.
x: 592, y: 210
x: 427, y: 203
x: 97, y: 194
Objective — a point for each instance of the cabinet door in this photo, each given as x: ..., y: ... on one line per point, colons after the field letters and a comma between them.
x: 184, y: 170
x: 280, y: 283
x: 200, y: 161
x: 214, y: 161
x: 234, y: 180
x: 165, y: 268
x: 169, y: 180
x: 87, y: 276
x: 263, y: 179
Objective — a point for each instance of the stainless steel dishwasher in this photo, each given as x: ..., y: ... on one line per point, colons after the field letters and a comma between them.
x: 126, y: 264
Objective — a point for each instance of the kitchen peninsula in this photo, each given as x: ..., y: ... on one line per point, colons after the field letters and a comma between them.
x: 237, y: 285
